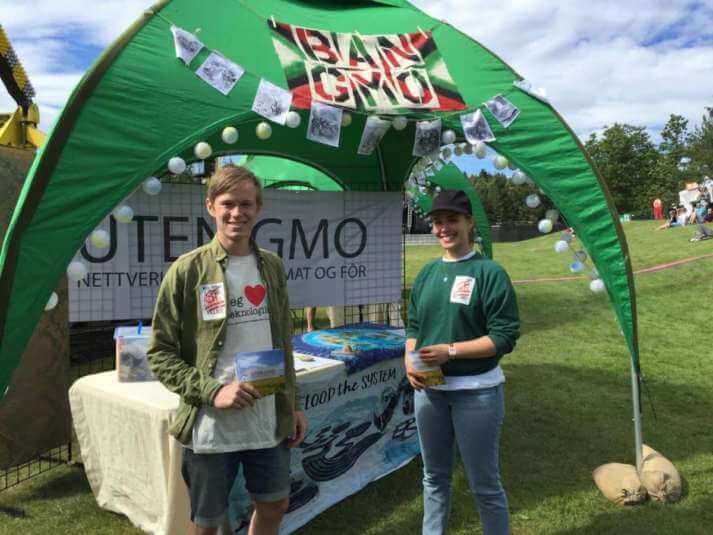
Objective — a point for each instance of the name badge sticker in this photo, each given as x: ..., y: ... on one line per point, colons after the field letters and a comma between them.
x: 462, y: 289
x: 212, y: 298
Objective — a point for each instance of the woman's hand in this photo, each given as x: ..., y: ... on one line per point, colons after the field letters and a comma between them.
x: 415, y: 379
x: 435, y: 355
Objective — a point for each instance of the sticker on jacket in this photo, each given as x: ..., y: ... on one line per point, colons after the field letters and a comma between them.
x: 462, y: 289
x: 213, y: 301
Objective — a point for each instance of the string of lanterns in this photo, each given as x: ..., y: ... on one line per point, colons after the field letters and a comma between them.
x: 188, y: 47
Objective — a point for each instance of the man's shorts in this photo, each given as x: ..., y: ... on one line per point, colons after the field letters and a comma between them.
x: 210, y: 477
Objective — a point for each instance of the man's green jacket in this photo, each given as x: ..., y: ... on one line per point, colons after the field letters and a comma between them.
x: 184, y: 348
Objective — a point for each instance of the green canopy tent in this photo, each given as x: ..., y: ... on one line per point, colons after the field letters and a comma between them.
x: 450, y: 177
x: 280, y: 173
x: 139, y: 105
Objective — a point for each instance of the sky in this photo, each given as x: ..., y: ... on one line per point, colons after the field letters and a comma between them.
x: 600, y: 61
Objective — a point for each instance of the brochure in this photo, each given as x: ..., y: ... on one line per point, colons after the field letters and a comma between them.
x: 432, y: 375
x: 265, y: 370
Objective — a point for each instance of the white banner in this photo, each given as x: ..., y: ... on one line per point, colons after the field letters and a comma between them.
x: 338, y: 249
x: 361, y: 428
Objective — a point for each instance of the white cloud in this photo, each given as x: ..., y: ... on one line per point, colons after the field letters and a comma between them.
x: 592, y: 57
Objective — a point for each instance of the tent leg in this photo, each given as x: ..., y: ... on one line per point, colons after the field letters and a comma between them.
x: 636, y: 397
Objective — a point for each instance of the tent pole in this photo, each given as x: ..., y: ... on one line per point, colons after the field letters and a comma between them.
x: 635, y: 394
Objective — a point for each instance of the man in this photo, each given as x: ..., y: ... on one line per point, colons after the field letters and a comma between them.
x: 216, y: 301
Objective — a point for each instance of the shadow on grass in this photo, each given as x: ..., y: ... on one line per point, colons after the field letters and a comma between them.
x: 562, y: 422
x: 567, y: 301
x: 72, y: 483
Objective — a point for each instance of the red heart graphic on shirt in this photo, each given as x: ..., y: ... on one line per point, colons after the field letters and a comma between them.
x: 255, y: 294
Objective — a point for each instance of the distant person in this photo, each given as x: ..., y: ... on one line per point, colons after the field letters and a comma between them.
x: 672, y: 219
x: 658, y: 209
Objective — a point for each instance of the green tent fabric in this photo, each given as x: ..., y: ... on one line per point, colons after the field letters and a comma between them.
x: 450, y: 177
x: 282, y: 173
x: 139, y: 105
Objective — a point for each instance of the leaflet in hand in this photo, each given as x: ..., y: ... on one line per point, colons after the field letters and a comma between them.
x: 265, y: 370
x: 432, y: 375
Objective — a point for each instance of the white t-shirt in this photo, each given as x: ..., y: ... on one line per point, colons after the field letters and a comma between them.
x: 248, y: 329
x: 487, y: 379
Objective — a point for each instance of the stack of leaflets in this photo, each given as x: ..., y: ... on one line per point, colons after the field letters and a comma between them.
x: 432, y: 375
x: 265, y: 370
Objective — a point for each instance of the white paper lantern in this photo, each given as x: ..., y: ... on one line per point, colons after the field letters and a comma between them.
x: 480, y: 149
x: 532, y: 200
x: 552, y: 214
x: 346, y: 119
x: 561, y: 246
x: 77, y: 270
x: 293, y: 119
x: 519, y: 178
x: 500, y: 162
x: 576, y: 266
x: 152, y: 186
x: 263, y: 130
x: 52, y: 301
x: 176, y: 165
x: 544, y: 226
x: 597, y: 286
x: 230, y: 135
x: 448, y: 137
x: 124, y: 214
x: 202, y: 150
x: 399, y: 123
x: 100, y: 239
x: 581, y: 255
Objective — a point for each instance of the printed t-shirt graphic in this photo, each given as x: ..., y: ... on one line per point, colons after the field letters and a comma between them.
x: 248, y: 329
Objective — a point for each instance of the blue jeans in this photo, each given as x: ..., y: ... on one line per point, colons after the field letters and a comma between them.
x: 473, y: 419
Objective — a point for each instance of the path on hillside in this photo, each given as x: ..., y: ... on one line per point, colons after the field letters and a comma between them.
x: 652, y: 269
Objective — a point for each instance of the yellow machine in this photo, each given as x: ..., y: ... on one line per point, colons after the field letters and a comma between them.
x: 19, y: 128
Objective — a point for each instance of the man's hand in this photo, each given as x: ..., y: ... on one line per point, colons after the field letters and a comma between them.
x: 299, y: 430
x: 435, y: 355
x: 236, y: 395
x: 414, y: 378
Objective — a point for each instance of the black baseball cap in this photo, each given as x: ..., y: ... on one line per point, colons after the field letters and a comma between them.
x: 454, y: 200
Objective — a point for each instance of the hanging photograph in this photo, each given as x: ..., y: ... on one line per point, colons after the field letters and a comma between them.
x: 428, y: 137
x: 220, y: 72
x: 476, y: 128
x: 325, y: 123
x: 503, y: 110
x: 187, y: 44
x: 272, y: 102
x: 374, y: 130
x: 526, y: 86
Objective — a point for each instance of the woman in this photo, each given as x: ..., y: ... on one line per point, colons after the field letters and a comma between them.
x: 462, y: 317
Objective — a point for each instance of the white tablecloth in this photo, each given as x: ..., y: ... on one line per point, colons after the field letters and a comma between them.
x: 133, y: 465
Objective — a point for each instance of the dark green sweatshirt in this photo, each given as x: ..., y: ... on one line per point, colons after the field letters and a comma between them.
x: 458, y: 301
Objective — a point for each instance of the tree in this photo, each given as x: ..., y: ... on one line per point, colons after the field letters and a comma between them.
x: 626, y: 157
x: 701, y: 146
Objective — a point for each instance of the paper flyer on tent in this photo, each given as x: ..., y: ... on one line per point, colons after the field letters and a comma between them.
x: 265, y: 370
x: 432, y: 375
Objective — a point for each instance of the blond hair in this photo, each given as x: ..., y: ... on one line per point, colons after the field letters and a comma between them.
x: 228, y: 177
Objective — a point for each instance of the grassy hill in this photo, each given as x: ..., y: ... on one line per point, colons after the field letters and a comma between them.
x: 568, y: 410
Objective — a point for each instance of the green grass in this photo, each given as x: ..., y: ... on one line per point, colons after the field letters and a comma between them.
x: 568, y: 411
